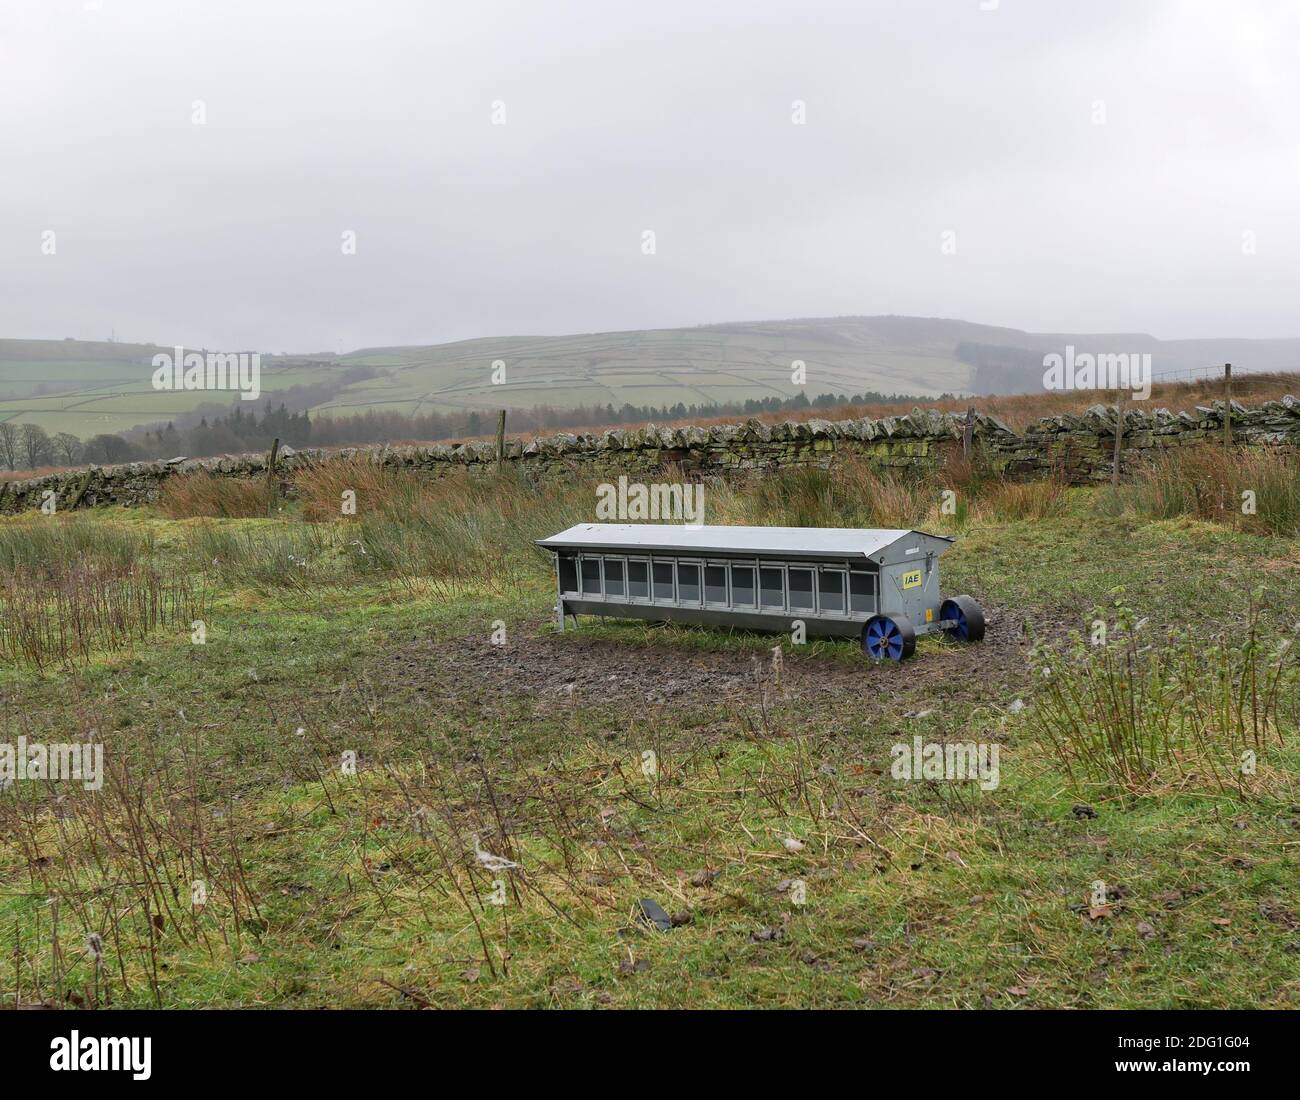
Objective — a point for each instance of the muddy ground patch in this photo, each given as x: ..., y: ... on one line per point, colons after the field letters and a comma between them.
x: 573, y: 668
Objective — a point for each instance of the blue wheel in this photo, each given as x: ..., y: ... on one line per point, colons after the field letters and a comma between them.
x: 888, y: 638
x: 966, y: 616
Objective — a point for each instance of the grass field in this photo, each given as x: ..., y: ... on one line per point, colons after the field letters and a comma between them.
x: 656, y: 367
x: 798, y: 872
x: 113, y: 393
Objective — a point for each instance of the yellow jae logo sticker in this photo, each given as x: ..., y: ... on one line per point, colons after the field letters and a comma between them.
x: 912, y: 578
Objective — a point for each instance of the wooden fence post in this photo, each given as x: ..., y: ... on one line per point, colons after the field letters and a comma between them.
x: 1227, y: 406
x: 272, y: 483
x: 1119, y: 436
x: 968, y: 433
x: 501, y: 438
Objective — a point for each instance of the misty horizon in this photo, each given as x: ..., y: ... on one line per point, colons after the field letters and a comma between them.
x: 741, y: 322
x: 1118, y: 169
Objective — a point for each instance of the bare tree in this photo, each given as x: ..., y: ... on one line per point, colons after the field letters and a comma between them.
x: 9, y: 443
x: 35, y: 445
x: 104, y: 449
x: 67, y: 448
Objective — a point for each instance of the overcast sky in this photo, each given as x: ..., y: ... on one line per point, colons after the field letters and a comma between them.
x: 1099, y: 164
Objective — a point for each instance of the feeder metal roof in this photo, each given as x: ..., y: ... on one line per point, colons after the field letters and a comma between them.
x: 795, y: 542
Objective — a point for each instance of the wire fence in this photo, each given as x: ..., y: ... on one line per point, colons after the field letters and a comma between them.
x: 1209, y: 374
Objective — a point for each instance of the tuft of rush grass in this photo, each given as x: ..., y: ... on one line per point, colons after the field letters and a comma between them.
x: 1256, y: 490
x: 74, y: 587
x: 267, y: 555
x: 358, y: 485
x: 849, y: 493
x: 205, y: 494
x: 56, y: 619
x: 1132, y: 715
x: 50, y: 545
x: 1007, y: 501
x: 452, y: 529
x: 852, y: 493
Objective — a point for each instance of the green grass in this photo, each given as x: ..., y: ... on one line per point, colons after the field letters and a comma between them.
x: 327, y: 889
x: 89, y: 388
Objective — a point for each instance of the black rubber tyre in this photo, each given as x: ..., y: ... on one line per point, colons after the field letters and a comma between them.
x: 966, y: 614
x: 888, y: 638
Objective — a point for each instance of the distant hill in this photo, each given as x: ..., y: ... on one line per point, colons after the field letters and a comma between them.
x: 90, y: 387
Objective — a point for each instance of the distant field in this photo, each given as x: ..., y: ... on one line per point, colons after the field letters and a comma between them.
x: 86, y: 388
x: 691, y: 366
x: 108, y: 387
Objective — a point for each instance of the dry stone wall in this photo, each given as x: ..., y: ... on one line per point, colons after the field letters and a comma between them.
x: 1079, y: 447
